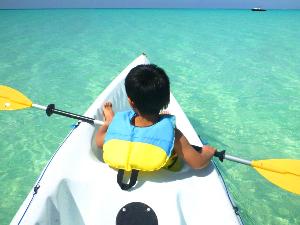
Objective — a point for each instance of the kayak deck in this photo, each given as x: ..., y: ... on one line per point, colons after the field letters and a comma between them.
x: 77, y: 187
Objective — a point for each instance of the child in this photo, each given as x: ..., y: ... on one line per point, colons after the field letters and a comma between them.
x: 144, y: 139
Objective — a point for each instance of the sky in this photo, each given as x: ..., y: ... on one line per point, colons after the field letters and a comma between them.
x: 269, y: 4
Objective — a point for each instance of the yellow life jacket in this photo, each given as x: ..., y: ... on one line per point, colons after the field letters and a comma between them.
x: 130, y: 148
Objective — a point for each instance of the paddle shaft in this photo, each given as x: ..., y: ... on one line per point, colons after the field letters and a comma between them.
x: 238, y: 160
x: 221, y: 155
x: 50, y: 109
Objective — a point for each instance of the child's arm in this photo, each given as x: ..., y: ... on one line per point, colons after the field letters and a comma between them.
x: 108, y: 115
x: 100, y: 135
x: 195, y: 159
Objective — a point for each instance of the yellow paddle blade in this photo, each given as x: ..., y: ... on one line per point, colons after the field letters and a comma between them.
x: 11, y: 99
x: 284, y: 173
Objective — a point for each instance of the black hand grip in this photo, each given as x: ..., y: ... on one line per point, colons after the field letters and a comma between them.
x: 51, y: 109
x: 220, y: 155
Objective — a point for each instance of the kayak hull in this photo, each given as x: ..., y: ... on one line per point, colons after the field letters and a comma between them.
x: 77, y: 187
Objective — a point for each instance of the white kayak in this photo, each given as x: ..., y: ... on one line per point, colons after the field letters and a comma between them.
x: 77, y: 187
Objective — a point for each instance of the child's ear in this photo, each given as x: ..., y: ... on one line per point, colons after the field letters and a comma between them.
x: 131, y: 103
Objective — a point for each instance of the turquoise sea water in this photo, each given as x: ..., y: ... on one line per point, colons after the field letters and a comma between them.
x: 236, y: 74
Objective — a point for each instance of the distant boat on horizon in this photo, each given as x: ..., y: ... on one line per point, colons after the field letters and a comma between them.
x: 258, y: 9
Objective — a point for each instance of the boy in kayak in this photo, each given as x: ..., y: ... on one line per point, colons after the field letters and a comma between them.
x: 143, y: 138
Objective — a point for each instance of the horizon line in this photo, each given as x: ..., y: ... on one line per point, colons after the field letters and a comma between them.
x: 198, y: 8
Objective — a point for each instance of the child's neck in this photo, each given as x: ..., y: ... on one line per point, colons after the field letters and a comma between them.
x: 145, y: 120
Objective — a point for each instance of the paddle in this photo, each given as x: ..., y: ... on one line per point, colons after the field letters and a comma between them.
x: 11, y: 99
x: 285, y: 173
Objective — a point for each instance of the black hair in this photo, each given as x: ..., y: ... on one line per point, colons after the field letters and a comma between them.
x: 148, y: 86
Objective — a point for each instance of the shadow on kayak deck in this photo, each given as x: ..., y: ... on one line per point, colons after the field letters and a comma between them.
x: 164, y: 175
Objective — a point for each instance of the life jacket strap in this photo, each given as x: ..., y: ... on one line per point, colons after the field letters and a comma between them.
x: 132, y: 181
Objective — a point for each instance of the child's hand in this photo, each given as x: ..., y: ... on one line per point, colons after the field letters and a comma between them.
x: 108, y: 112
x: 209, y: 149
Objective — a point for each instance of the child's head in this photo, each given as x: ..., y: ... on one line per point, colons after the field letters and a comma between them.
x: 148, y: 87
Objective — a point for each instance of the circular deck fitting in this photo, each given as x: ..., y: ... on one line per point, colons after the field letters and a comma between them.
x: 136, y: 213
